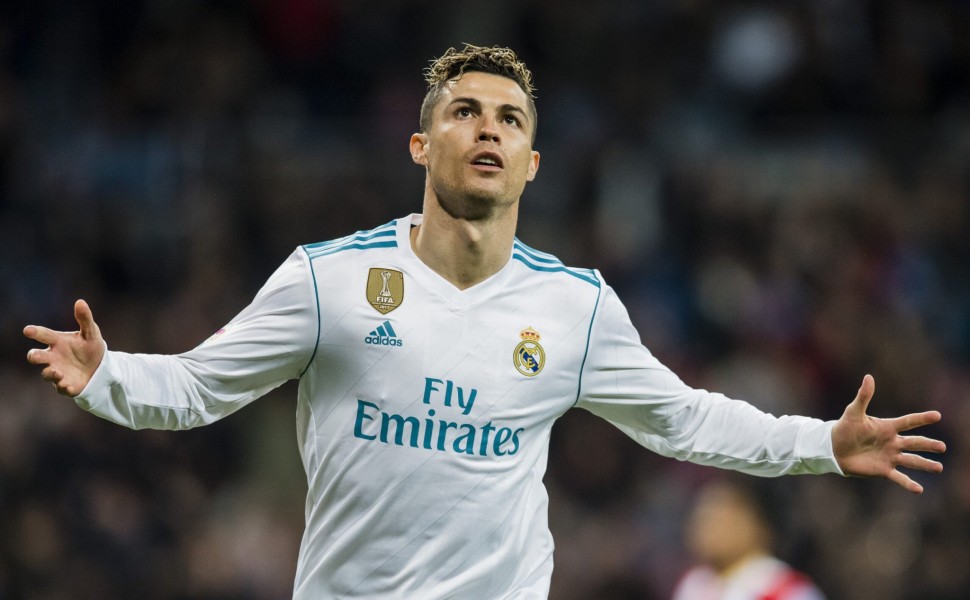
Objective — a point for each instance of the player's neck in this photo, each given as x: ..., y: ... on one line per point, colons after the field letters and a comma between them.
x: 740, y: 563
x: 464, y: 252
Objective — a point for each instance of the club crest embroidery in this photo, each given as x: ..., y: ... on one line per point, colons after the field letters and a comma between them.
x: 529, y: 356
x: 385, y: 289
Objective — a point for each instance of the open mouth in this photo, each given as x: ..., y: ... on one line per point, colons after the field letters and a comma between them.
x: 487, y: 160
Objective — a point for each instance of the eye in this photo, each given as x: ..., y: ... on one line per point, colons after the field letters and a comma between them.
x: 463, y: 112
x: 512, y: 120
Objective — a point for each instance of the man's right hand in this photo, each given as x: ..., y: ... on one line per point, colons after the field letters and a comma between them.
x: 71, y: 357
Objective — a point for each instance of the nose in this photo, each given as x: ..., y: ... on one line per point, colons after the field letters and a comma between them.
x: 488, y: 132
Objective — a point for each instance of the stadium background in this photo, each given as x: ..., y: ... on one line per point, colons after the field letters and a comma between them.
x: 778, y: 191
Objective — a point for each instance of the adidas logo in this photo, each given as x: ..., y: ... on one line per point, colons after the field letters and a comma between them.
x: 384, y: 336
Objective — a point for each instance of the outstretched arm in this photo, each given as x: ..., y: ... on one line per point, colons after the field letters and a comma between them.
x: 867, y: 446
x: 271, y: 341
x: 71, y: 357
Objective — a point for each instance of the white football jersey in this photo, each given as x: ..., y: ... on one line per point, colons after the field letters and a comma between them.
x: 424, y: 411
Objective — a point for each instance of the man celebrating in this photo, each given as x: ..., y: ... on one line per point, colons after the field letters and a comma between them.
x: 434, y: 353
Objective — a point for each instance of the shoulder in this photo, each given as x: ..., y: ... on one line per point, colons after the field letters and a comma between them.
x: 543, y: 263
x: 699, y: 582
x: 384, y: 236
x: 777, y: 580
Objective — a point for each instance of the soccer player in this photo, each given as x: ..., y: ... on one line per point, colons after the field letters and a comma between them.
x: 434, y: 353
x: 731, y: 534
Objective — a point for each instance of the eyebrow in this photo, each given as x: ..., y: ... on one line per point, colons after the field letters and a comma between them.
x: 505, y: 108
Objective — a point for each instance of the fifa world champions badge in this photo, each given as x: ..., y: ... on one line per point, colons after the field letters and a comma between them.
x: 529, y: 357
x: 385, y: 289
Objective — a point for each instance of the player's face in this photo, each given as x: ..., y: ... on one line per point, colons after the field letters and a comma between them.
x: 723, y: 529
x: 478, y: 151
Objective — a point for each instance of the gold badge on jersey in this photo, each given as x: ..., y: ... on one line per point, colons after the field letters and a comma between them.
x: 385, y: 289
x: 529, y: 356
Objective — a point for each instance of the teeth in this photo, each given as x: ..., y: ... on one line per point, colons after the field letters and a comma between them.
x: 486, y: 161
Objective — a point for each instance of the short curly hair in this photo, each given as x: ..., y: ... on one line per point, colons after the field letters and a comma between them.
x: 454, y: 63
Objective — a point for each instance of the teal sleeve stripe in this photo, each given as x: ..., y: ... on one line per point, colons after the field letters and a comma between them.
x: 589, y: 335
x: 357, y: 237
x: 535, y: 254
x: 316, y: 297
x: 330, y: 246
x: 353, y: 246
x: 383, y: 231
x: 556, y: 268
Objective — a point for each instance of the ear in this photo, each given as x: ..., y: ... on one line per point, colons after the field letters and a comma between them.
x: 418, y: 147
x: 533, y: 166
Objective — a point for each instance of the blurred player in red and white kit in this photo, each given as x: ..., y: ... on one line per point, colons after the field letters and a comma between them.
x: 730, y: 534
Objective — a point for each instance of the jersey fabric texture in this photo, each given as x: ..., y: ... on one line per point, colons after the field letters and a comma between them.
x: 761, y: 578
x: 424, y: 411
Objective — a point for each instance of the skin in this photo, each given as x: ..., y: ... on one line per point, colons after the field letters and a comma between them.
x: 471, y: 211
x: 470, y: 216
x: 724, y: 530
x: 870, y: 447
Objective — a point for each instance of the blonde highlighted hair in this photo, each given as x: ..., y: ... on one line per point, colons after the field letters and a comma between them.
x: 454, y: 63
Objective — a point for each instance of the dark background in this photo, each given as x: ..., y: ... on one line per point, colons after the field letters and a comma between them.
x: 777, y: 190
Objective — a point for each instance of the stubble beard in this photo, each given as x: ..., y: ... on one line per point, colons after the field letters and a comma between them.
x: 468, y: 204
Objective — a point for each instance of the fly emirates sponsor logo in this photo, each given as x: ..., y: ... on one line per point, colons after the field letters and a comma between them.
x: 432, y: 431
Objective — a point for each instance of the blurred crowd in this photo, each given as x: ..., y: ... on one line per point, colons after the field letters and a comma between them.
x: 779, y: 192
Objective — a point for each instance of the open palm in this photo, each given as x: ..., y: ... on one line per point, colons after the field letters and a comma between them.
x: 867, y: 446
x: 71, y: 357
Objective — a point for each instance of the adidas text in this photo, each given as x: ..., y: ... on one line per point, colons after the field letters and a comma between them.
x: 384, y: 341
x: 384, y: 335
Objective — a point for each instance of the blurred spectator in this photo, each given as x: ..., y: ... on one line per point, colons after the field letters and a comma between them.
x: 730, y: 533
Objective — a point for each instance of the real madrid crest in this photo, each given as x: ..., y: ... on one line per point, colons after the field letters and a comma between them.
x: 529, y: 357
x: 385, y: 289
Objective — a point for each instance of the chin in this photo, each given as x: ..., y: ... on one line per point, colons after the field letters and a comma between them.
x: 467, y: 209
x: 472, y: 205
